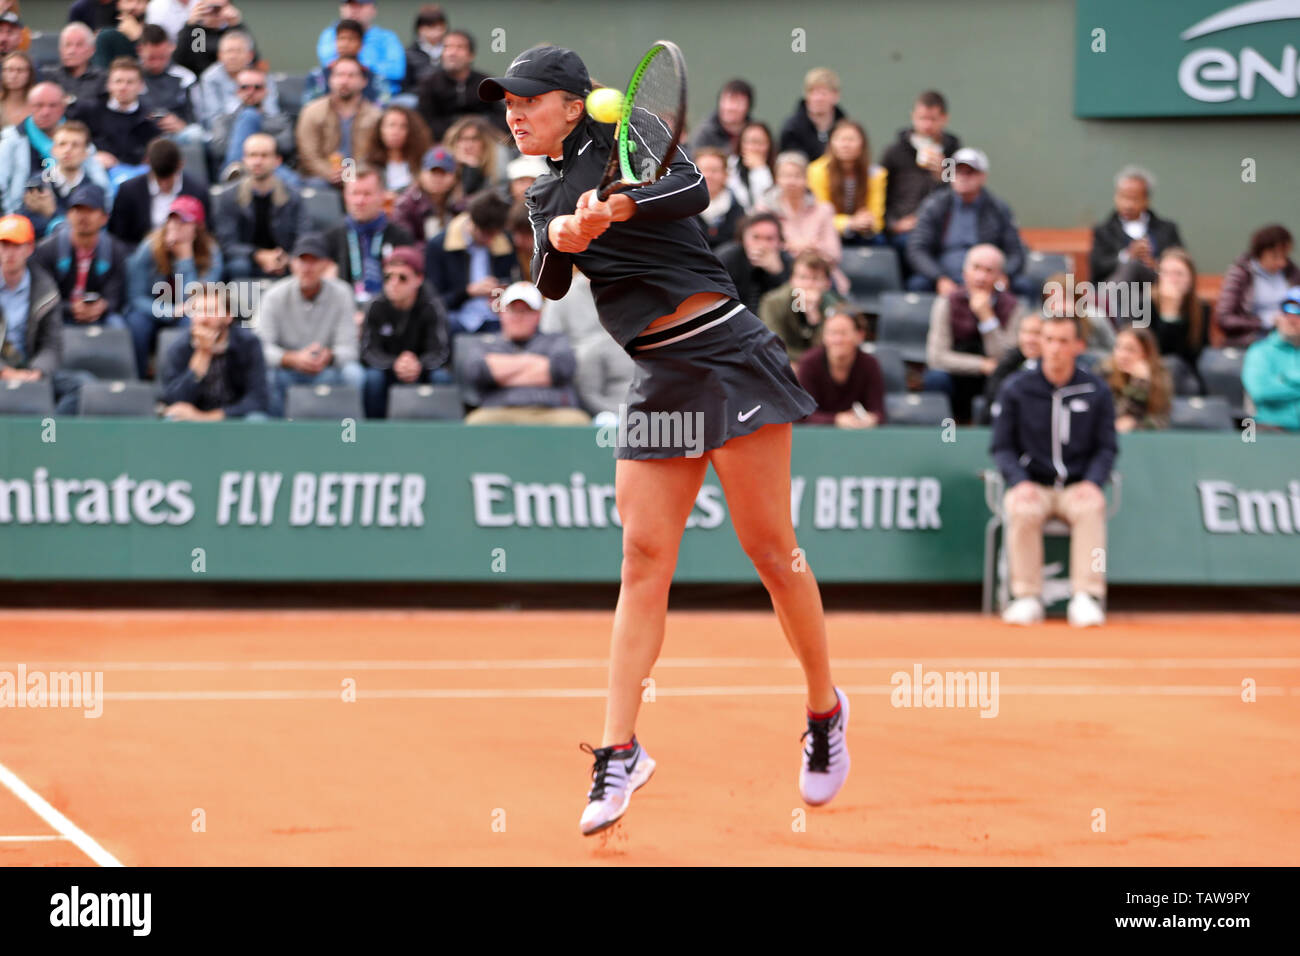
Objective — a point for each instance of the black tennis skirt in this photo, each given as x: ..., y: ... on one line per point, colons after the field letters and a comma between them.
x: 703, y: 382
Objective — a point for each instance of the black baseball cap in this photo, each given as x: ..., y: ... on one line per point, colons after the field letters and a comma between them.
x: 537, y: 71
x: 89, y: 195
x: 311, y: 244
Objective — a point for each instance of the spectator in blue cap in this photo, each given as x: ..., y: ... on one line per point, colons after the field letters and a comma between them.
x: 1271, y: 374
x: 87, y: 264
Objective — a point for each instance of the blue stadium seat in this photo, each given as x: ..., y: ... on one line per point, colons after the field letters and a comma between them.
x: 1041, y: 266
x: 27, y: 398
x: 104, y: 352
x: 891, y: 365
x: 1181, y: 374
x: 44, y: 49
x: 1221, y: 372
x: 289, y: 88
x: 335, y: 402
x: 1210, y: 413
x: 871, y: 270
x: 905, y: 322
x: 196, y: 162
x: 324, y: 207
x: 918, y: 408
x: 135, y: 399
x: 434, y: 402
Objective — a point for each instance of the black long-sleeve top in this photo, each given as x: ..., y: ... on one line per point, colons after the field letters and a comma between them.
x: 641, y: 268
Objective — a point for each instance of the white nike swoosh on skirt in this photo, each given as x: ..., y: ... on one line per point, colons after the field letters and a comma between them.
x: 746, y: 416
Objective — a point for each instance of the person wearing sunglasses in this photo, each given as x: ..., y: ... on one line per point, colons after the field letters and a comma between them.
x: 1271, y: 374
x: 404, y: 340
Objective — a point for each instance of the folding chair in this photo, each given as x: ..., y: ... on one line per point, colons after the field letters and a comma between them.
x: 905, y: 322
x: 332, y: 402
x: 995, y: 571
x: 432, y: 402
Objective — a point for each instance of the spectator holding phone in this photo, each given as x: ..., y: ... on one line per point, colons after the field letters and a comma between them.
x: 63, y: 149
x: 87, y: 264
x: 845, y: 381
x: 1133, y: 235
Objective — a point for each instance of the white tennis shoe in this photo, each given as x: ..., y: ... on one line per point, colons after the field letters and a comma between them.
x: 1085, y: 611
x: 615, y: 776
x: 825, y: 764
x: 1024, y: 612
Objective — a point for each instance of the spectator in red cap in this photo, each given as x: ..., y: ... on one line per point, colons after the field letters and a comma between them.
x: 168, y: 264
x: 31, y: 331
x: 404, y: 339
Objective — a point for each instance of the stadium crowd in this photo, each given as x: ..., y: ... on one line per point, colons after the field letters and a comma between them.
x: 376, y: 210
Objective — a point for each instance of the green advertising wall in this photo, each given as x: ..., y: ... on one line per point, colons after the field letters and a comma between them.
x: 1007, y: 67
x: 109, y: 500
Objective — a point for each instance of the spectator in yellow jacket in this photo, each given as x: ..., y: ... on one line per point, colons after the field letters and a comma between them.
x: 845, y: 177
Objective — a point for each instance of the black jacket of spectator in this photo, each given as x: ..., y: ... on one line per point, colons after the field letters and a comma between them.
x: 712, y: 133
x: 107, y: 275
x: 799, y: 132
x: 994, y: 223
x: 1007, y: 366
x: 1109, y: 239
x: 444, y: 100
x: 85, y: 87
x: 419, y: 65
x: 336, y: 238
x: 1054, y: 436
x: 388, y: 332
x: 446, y: 263
x: 752, y: 282
x: 235, y: 220
x: 94, y: 14
x: 173, y: 91
x: 244, y: 370
x: 908, y: 184
x: 131, y: 219
x: 125, y: 135
x: 195, y: 56
x: 724, y: 230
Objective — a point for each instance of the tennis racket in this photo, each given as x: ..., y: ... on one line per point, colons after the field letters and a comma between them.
x: 650, y: 126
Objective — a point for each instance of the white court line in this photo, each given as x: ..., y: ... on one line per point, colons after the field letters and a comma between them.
x: 576, y: 663
x: 41, y: 807
x: 32, y: 839
x: 755, y: 690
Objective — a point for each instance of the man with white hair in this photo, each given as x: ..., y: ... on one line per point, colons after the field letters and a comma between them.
x: 219, y: 84
x: 1133, y: 235
x: 74, y: 72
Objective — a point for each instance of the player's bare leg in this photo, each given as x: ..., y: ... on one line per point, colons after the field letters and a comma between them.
x: 654, y: 499
x: 755, y: 474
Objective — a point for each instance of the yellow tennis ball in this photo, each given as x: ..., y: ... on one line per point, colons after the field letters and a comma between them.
x: 605, y: 105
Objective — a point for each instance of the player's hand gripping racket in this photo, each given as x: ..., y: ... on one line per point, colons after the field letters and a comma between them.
x: 650, y: 125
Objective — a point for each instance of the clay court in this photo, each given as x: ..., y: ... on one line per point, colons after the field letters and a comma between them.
x: 461, y: 746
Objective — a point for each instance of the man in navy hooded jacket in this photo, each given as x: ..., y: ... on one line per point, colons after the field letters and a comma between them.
x: 1054, y: 443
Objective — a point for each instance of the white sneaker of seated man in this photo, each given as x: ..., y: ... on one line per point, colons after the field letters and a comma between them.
x: 1084, y: 610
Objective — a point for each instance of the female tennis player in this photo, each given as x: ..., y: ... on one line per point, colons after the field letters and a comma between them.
x: 663, y: 295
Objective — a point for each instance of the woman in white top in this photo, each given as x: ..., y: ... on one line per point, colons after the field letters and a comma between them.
x: 749, y: 168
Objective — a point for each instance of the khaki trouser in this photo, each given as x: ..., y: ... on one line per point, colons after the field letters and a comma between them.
x: 527, y: 415
x: 1024, y: 541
